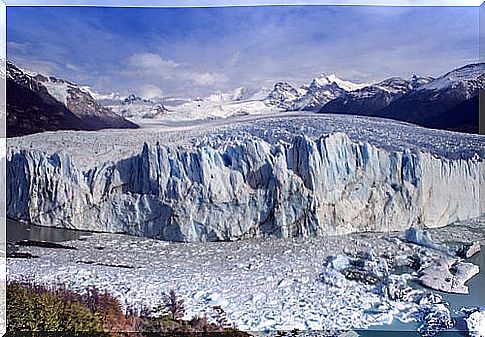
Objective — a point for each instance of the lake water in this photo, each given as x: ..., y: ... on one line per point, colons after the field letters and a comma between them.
x: 20, y: 231
x: 476, y: 297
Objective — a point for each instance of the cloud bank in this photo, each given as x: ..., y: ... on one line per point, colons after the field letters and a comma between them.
x: 196, y: 51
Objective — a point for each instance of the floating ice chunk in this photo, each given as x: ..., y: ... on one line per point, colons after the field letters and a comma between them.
x: 419, y: 237
x: 468, y: 250
x: 340, y: 262
x: 448, y: 275
x: 475, y: 323
x: 435, y: 320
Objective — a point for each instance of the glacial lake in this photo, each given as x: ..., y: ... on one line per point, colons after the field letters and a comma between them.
x: 476, y: 297
x: 21, y: 231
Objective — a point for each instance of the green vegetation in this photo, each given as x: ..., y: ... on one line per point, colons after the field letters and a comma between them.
x: 35, y: 310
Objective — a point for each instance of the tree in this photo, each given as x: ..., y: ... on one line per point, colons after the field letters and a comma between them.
x: 173, y: 305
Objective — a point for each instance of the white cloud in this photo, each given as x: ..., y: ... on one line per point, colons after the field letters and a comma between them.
x: 38, y: 66
x: 16, y: 45
x: 151, y: 91
x: 152, y: 62
x: 71, y: 66
x: 205, y: 79
x: 151, y: 67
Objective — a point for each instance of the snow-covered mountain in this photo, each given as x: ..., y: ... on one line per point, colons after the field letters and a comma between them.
x: 447, y: 102
x: 467, y: 81
x: 439, y: 103
x: 312, y: 97
x: 325, y: 80
x: 237, y: 95
x: 372, y: 98
x: 283, y: 96
x: 134, y: 106
x: 322, y: 90
x: 243, y: 94
x: 37, y: 103
x: 112, y: 98
x: 241, y: 101
x: 426, y: 101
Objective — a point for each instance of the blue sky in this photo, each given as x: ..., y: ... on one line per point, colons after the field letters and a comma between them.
x: 195, y: 51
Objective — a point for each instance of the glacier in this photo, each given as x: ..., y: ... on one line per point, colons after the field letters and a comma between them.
x: 246, y: 187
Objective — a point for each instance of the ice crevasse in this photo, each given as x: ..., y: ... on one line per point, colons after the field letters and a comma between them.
x: 246, y: 188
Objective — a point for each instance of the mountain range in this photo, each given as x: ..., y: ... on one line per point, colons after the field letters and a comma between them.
x: 448, y: 102
x: 37, y: 103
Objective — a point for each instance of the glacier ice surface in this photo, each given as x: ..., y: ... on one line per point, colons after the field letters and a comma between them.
x: 280, y: 178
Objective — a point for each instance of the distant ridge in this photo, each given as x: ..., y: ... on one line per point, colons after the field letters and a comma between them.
x: 37, y: 103
x: 447, y: 102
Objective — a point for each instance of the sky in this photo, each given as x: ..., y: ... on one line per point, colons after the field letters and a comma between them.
x: 187, y: 52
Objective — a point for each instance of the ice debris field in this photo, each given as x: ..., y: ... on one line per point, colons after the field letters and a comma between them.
x: 321, y: 283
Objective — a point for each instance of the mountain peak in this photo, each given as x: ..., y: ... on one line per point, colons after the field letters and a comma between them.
x: 329, y: 79
x: 469, y: 77
x: 467, y: 72
x: 325, y: 79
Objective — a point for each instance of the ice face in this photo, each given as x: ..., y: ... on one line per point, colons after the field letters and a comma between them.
x: 246, y: 188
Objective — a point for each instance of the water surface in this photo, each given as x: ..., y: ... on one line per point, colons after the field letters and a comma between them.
x: 21, y: 231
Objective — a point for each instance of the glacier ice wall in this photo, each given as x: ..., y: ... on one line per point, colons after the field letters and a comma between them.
x: 246, y: 188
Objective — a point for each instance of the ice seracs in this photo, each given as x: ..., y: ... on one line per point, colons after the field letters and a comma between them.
x: 420, y: 237
x: 245, y: 187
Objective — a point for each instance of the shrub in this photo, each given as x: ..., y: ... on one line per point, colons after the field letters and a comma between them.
x: 109, y: 309
x: 200, y: 324
x: 36, y: 308
x: 46, y: 311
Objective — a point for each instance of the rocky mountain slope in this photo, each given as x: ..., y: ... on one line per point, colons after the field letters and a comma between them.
x: 135, y: 106
x: 440, y: 103
x: 312, y: 97
x: 446, y: 102
x: 37, y: 103
x: 368, y: 100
